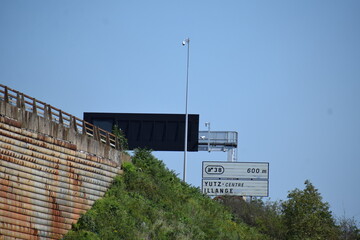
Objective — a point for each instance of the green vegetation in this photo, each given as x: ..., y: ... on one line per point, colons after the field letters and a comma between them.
x: 150, y: 202
x: 302, y: 216
x: 307, y: 217
x: 266, y: 217
x: 121, y: 137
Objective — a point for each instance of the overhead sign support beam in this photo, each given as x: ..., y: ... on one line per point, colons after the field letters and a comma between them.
x: 219, y: 141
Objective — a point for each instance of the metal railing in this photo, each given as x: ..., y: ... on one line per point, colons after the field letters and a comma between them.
x: 219, y: 141
x: 218, y: 138
x: 47, y: 111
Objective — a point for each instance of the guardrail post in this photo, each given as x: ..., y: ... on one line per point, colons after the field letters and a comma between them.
x: 96, y: 133
x: 23, y: 101
x: 6, y: 95
x: 84, y: 131
x: 107, y: 138
x: 73, y: 123
x: 61, y: 120
x: 20, y: 101
x: 47, y: 112
x: 34, y: 106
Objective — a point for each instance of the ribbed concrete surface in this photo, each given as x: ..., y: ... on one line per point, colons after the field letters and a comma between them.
x: 46, y: 183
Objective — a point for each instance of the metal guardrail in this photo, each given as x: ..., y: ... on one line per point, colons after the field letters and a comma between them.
x: 47, y: 111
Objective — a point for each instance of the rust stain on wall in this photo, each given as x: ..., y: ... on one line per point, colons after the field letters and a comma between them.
x: 46, y: 183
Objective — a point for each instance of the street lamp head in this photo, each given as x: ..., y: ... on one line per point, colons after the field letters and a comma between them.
x: 187, y: 40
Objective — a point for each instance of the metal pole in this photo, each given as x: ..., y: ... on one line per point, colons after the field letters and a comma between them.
x: 207, y: 124
x: 186, y: 41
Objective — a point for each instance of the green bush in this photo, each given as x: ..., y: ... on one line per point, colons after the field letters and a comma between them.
x: 150, y: 202
x: 264, y: 216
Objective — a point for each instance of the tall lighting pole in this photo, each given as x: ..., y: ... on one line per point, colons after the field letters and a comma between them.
x: 186, y: 42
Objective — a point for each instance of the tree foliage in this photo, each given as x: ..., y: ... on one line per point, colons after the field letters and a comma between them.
x: 303, y: 215
x: 264, y: 216
x: 348, y: 229
x: 306, y: 216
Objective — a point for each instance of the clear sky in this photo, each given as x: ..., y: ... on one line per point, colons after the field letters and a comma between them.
x: 284, y: 74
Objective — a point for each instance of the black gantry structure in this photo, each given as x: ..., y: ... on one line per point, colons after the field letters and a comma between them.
x: 158, y: 132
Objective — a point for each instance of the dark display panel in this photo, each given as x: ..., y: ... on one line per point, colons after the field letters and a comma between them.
x: 159, y: 132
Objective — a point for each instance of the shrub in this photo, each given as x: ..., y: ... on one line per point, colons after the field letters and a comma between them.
x: 150, y: 202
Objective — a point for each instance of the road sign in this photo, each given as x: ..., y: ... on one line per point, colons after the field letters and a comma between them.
x: 235, y: 178
x: 236, y: 170
x: 222, y: 187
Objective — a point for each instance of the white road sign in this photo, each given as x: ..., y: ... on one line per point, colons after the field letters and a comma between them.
x: 236, y: 170
x: 259, y: 188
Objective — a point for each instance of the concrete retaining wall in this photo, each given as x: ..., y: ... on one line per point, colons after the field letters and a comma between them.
x: 49, y: 174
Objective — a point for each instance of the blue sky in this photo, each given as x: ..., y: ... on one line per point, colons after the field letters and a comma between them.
x: 284, y: 74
